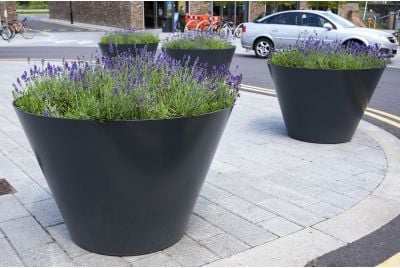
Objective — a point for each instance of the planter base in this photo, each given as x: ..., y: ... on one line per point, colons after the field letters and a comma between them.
x: 323, y: 106
x: 125, y: 187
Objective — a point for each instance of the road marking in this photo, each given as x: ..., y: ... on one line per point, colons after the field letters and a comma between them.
x: 62, y: 30
x: 392, y: 116
x: 383, y: 119
x: 393, y: 261
x: 374, y: 113
x: 77, y: 30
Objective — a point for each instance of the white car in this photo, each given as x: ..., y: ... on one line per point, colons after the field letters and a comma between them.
x: 284, y: 29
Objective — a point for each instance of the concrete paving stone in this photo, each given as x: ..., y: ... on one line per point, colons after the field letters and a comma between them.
x: 61, y: 236
x: 224, y: 245
x: 199, y: 229
x: 237, y: 186
x: 187, y: 252
x: 293, y: 250
x: 9, y: 170
x: 280, y: 226
x: 206, y: 209
x: 358, y: 194
x: 325, y: 210
x: 222, y: 166
x: 283, y: 193
x: 158, y: 259
x: 245, y: 209
x: 28, y: 191
x: 98, y: 260
x: 137, y: 257
x: 333, y: 198
x: 291, y: 212
x: 213, y: 193
x: 8, y: 257
x: 46, y: 212
x: 47, y: 255
x: 242, y: 229
x: 11, y: 209
x: 25, y: 233
x: 365, y: 218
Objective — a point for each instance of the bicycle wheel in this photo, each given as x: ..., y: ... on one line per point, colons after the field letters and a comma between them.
x: 225, y: 31
x: 27, y: 33
x: 238, y: 31
x: 6, y: 33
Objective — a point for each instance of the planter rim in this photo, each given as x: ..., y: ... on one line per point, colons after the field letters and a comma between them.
x: 193, y: 49
x: 128, y: 43
x: 331, y: 70
x: 115, y: 121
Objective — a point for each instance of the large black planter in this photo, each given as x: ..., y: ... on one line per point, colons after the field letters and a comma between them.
x: 127, y: 48
x: 125, y: 187
x: 213, y: 57
x: 323, y: 106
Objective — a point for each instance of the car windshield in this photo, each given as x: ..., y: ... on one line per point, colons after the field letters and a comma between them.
x: 339, y: 20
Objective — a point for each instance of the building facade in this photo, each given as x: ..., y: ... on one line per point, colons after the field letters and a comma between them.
x: 149, y: 14
x: 11, y: 7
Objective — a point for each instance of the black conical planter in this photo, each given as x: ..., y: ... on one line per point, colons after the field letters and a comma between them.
x: 125, y: 187
x: 126, y: 48
x: 323, y: 106
x: 213, y: 57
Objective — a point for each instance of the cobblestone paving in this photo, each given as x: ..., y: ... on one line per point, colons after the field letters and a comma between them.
x: 261, y: 186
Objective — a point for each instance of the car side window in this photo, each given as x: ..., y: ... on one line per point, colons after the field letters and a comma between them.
x: 312, y: 20
x: 286, y: 18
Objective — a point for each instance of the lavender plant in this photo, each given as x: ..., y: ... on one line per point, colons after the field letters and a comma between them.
x: 317, y: 54
x: 197, y: 40
x: 129, y: 37
x: 125, y: 88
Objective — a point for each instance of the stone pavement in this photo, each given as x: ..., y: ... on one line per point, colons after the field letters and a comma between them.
x: 268, y: 200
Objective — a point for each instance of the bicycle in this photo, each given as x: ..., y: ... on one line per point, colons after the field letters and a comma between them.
x: 5, y: 31
x: 229, y: 29
x: 21, y: 28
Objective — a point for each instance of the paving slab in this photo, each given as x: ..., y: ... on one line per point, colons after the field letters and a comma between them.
x: 48, y: 255
x: 61, y: 236
x: 11, y: 208
x: 8, y: 256
x: 293, y: 250
x: 25, y: 233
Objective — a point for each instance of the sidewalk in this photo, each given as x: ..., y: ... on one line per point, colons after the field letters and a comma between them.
x: 268, y: 200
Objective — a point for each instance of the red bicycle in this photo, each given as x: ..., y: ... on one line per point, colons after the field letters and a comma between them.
x: 21, y: 28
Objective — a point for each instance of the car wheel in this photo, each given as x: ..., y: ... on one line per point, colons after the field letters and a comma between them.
x: 263, y: 48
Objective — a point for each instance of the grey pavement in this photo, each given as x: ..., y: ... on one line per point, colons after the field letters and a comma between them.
x: 268, y: 200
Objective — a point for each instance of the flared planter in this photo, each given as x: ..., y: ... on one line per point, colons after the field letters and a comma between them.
x: 125, y: 187
x: 213, y: 57
x: 323, y: 106
x: 126, y: 48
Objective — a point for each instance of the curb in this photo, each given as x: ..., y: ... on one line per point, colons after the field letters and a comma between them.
x: 365, y: 217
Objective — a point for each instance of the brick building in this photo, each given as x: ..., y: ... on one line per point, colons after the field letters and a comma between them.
x: 147, y: 14
x: 11, y: 7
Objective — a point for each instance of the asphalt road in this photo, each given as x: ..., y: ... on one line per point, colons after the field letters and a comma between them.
x: 36, y: 24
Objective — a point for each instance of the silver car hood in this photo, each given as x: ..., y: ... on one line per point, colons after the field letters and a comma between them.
x: 366, y: 31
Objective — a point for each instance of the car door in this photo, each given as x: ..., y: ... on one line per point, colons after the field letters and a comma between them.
x: 286, y: 29
x: 312, y: 26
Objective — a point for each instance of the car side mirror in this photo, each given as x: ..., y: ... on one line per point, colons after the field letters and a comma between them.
x: 328, y: 26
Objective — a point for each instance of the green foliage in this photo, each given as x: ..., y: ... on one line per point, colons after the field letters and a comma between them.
x: 201, y: 42
x: 32, y: 5
x: 319, y: 59
x: 129, y: 37
x: 128, y: 89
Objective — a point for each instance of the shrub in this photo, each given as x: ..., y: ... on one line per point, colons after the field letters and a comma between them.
x: 315, y: 54
x: 197, y: 40
x: 129, y: 37
x: 125, y: 88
